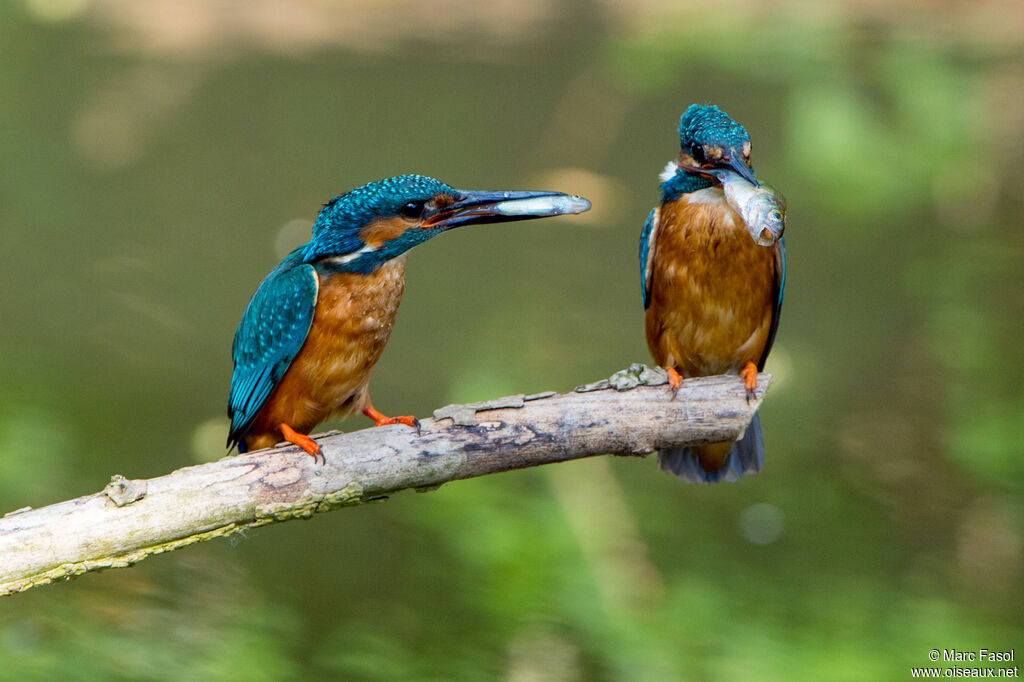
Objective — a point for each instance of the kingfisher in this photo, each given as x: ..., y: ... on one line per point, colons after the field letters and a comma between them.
x: 319, y: 321
x: 712, y: 294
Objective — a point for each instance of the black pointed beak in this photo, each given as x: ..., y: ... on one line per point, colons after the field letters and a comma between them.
x: 474, y: 208
x: 735, y: 163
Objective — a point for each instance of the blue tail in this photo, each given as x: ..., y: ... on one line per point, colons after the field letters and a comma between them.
x: 706, y: 464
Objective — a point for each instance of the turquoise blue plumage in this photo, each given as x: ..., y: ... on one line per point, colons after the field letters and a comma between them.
x: 645, y: 250
x: 272, y: 330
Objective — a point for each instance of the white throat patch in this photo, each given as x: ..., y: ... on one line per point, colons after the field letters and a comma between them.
x: 708, y: 195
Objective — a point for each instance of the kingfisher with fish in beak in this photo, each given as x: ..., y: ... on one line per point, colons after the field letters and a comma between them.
x: 713, y: 269
x: 320, y: 320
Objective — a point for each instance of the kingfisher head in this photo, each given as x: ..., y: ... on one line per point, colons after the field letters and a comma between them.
x: 365, y: 227
x: 709, y: 138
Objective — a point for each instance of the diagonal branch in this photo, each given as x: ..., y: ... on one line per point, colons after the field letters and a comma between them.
x: 632, y: 413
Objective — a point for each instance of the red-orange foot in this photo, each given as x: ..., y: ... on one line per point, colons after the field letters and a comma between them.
x: 675, y: 380
x: 304, y: 442
x: 749, y: 374
x: 381, y: 420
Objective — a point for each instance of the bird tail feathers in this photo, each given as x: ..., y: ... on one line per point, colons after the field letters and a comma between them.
x: 717, y: 461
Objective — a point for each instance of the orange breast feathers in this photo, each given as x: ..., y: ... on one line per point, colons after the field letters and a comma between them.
x: 711, y: 288
x: 331, y: 372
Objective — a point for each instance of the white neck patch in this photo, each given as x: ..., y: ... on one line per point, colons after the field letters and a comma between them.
x: 349, y: 257
x: 670, y: 171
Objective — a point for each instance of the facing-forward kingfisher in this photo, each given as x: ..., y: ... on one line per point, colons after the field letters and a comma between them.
x: 712, y: 294
x: 319, y: 321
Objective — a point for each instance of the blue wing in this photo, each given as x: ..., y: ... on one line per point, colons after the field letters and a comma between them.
x: 778, y: 291
x: 271, y: 332
x: 647, y: 239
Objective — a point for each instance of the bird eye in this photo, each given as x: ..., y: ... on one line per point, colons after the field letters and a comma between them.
x: 413, y: 209
x: 697, y: 152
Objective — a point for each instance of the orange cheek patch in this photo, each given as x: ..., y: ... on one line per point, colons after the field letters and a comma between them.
x: 383, y: 230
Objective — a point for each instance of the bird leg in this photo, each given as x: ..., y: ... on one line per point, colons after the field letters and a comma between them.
x: 381, y: 420
x: 675, y: 379
x: 749, y: 374
x: 304, y: 442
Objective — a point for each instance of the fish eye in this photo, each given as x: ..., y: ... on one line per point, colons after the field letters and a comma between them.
x: 776, y: 215
x: 413, y: 210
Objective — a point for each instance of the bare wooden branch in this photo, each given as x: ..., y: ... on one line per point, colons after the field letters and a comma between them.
x: 631, y: 414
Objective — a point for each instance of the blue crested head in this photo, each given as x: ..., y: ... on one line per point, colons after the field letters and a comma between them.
x: 382, y: 199
x: 708, y: 132
x: 352, y: 226
x: 708, y: 138
x: 362, y: 229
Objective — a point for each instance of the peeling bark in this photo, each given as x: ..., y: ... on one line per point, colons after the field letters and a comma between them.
x: 632, y: 413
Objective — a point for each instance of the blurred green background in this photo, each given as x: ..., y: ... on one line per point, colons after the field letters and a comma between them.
x: 158, y: 157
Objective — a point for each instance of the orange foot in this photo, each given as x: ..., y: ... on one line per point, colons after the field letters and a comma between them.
x: 675, y: 379
x: 749, y: 374
x: 304, y: 442
x: 381, y: 420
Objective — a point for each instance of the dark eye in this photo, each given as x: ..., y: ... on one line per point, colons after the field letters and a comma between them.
x: 697, y: 152
x: 413, y: 209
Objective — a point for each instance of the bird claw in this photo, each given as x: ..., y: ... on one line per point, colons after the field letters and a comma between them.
x: 310, y: 446
x: 749, y: 374
x: 409, y: 421
x: 675, y: 380
x: 380, y: 420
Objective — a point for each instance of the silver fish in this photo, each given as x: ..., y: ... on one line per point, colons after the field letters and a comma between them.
x: 763, y: 208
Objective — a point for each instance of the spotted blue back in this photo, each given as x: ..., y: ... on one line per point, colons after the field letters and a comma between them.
x: 272, y: 331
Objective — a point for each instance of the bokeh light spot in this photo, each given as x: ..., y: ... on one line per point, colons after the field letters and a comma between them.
x: 292, y: 234
x: 55, y: 10
x: 762, y: 524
